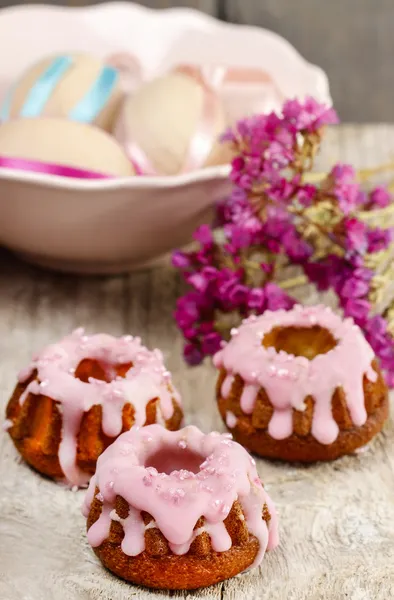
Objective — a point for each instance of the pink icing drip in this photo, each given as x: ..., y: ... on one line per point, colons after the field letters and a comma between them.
x: 288, y: 379
x: 55, y: 365
x: 226, y: 385
x: 231, y: 419
x: 281, y: 424
x: 176, y: 501
x: 133, y: 542
x: 248, y: 398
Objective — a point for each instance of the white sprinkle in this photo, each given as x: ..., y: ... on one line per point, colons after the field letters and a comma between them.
x: 182, y: 444
x: 283, y: 373
x: 227, y: 443
x: 152, y: 471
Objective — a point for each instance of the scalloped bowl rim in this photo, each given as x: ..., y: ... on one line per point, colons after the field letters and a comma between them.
x: 161, y: 181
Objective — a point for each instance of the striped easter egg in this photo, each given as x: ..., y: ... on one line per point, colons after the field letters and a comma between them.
x: 78, y: 87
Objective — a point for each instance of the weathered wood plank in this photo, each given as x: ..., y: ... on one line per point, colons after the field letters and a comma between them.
x: 207, y: 6
x: 352, y: 41
x: 337, y: 532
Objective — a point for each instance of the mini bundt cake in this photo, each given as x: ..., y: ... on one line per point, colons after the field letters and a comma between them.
x: 301, y: 385
x: 80, y: 394
x: 178, y: 510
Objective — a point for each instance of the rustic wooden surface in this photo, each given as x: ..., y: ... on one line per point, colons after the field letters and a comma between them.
x: 336, y: 520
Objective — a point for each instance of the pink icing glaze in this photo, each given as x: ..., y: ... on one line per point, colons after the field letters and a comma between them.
x: 55, y: 365
x: 289, y: 379
x: 231, y: 419
x: 177, y: 500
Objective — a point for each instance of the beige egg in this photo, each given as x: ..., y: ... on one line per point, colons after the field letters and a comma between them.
x: 78, y: 87
x: 65, y: 143
x: 174, y: 123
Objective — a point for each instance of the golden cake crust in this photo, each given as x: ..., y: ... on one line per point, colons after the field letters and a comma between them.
x: 37, y: 423
x: 252, y: 430
x: 157, y: 567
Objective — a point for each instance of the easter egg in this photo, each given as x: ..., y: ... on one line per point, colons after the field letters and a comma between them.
x: 61, y: 142
x: 172, y: 124
x: 78, y: 87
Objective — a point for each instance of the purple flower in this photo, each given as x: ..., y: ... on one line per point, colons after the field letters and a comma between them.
x: 390, y: 378
x: 343, y: 173
x: 273, y: 153
x: 379, y: 239
x: 190, y: 333
x: 376, y: 332
x: 380, y: 197
x: 180, y: 260
x: 346, y: 188
x: 310, y: 115
x: 240, y: 236
x: 282, y: 191
x: 192, y: 355
x: 203, y: 235
x: 276, y: 298
x: 210, y: 343
x: 305, y: 194
x: 354, y: 288
x: 256, y: 299
x: 363, y: 273
x: 358, y: 309
x: 187, y: 311
x: 296, y: 248
x: 319, y: 274
x: 356, y: 236
x: 238, y: 295
x: 198, y: 281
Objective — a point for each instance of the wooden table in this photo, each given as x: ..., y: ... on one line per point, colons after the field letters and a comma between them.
x: 337, y: 520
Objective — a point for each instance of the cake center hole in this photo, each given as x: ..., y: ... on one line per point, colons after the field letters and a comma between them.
x: 170, y: 459
x: 99, y: 370
x: 300, y: 341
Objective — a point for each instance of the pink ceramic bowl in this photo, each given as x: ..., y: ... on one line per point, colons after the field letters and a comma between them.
x: 112, y: 226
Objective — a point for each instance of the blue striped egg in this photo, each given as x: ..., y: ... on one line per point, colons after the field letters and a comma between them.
x: 78, y: 87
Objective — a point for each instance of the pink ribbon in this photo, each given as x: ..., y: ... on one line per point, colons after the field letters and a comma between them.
x: 37, y: 166
x: 211, y: 79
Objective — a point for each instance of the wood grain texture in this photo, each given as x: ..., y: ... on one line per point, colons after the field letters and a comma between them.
x: 336, y: 520
x: 351, y: 40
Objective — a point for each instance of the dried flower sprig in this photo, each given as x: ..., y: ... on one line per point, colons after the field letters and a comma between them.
x: 275, y: 217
